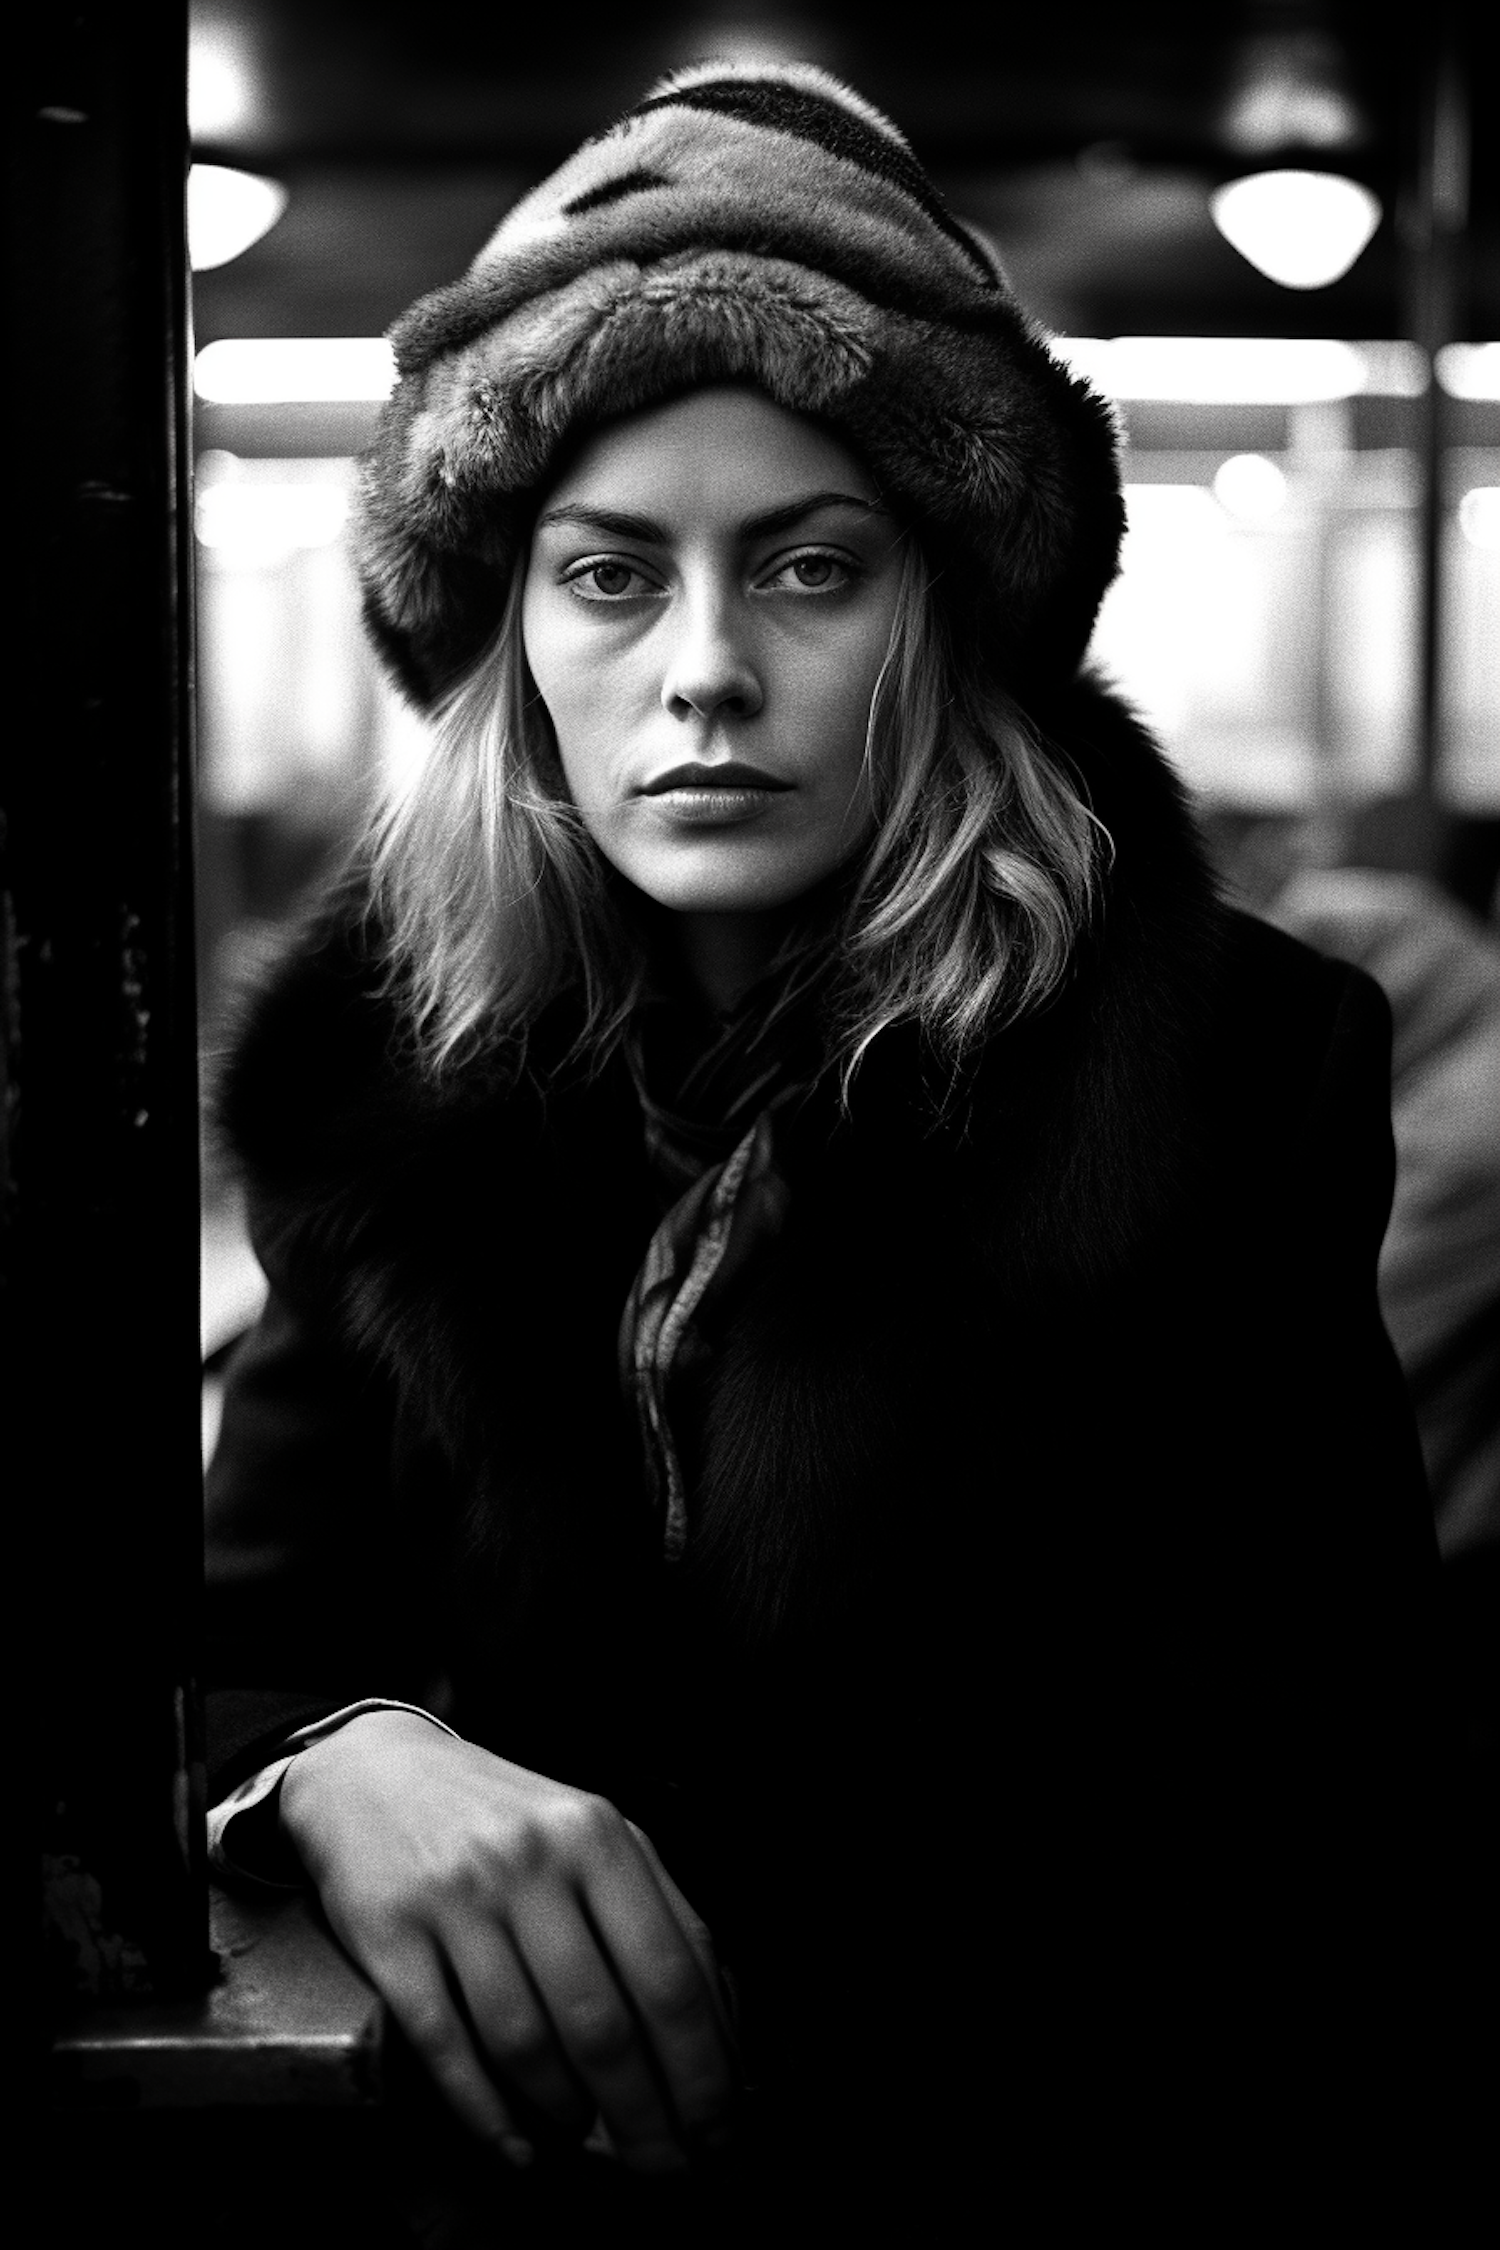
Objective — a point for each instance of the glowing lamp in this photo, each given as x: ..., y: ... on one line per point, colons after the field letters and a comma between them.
x: 227, y: 211
x: 1301, y: 229
x: 1250, y: 487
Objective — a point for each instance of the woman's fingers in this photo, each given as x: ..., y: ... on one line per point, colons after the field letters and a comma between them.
x: 511, y: 2025
x: 595, y: 2011
x: 679, y: 2015
x: 698, y: 1935
x: 528, y: 1940
x: 674, y: 1996
x: 410, y: 1977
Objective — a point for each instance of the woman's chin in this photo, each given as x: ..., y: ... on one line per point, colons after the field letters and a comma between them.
x: 728, y: 892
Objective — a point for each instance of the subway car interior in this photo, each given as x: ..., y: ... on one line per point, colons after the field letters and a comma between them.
x: 1269, y: 232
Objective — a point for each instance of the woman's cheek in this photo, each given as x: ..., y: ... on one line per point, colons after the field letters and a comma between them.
x: 582, y: 758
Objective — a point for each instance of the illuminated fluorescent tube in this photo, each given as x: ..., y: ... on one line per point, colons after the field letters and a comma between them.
x: 1218, y: 370
x: 294, y: 370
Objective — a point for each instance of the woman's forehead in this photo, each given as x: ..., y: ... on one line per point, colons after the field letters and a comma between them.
x: 728, y: 450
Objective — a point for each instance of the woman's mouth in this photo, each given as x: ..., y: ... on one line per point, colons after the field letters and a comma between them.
x: 714, y: 796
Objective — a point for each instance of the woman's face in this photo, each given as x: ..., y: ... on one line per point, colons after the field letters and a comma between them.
x: 708, y: 603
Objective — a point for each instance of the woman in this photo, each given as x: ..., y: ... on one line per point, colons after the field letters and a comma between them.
x: 822, y: 1309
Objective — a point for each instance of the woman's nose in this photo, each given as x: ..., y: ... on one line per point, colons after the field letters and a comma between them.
x: 711, y: 666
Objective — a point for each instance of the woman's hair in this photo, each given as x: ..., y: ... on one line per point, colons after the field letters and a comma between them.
x: 492, y: 900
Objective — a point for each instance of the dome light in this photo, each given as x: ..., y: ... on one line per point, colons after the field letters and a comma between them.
x: 227, y: 212
x: 1302, y: 229
x: 1250, y: 487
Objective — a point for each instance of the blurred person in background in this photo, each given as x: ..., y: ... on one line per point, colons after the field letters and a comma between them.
x: 1439, y: 966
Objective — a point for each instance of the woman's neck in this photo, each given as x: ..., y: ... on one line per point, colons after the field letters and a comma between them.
x: 725, y: 954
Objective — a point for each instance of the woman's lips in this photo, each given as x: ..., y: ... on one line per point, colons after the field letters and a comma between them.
x: 714, y: 796
x: 731, y: 775
x: 713, y: 808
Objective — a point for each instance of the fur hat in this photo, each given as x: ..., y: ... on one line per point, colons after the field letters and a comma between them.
x: 754, y: 224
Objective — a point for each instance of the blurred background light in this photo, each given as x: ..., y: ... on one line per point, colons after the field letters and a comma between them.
x: 263, y: 522
x: 1292, y: 90
x: 1394, y: 369
x: 747, y: 41
x: 1167, y: 511
x: 1479, y: 516
x: 1470, y: 370
x: 1219, y: 370
x: 287, y: 370
x: 1301, y: 229
x: 227, y: 211
x: 223, y: 95
x: 1250, y: 487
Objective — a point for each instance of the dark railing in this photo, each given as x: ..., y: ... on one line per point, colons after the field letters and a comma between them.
x: 101, y: 1370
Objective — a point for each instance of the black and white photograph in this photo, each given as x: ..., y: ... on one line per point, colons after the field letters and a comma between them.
x: 751, y: 1065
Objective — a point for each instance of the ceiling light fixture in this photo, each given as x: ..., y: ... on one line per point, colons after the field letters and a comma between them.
x: 1301, y: 229
x: 227, y: 211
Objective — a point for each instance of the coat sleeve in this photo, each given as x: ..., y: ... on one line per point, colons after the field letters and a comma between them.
x: 1323, y: 1629
x: 1363, y: 1687
x: 1350, y: 1416
x: 1317, y: 1433
x: 303, y: 1616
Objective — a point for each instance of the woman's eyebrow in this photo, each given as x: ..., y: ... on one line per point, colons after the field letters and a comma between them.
x: 782, y: 519
x: 621, y: 524
x: 613, y: 520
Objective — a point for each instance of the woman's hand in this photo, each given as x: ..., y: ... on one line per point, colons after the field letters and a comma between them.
x: 525, y: 1936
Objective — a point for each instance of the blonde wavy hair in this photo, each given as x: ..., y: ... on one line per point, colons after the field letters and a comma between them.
x: 491, y: 899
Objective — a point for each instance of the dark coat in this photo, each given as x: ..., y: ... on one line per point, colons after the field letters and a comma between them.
x: 1062, y: 1563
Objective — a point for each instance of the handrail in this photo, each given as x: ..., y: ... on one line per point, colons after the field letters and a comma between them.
x: 290, y: 2023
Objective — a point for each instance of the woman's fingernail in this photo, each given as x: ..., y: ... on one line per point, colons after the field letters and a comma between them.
x: 515, y: 2150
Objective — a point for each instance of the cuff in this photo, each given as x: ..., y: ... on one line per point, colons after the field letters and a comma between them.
x: 255, y: 1853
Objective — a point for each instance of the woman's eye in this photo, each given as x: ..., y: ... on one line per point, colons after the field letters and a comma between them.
x: 606, y: 581
x: 811, y: 574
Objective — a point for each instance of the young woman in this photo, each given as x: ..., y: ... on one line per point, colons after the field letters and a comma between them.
x: 820, y: 1504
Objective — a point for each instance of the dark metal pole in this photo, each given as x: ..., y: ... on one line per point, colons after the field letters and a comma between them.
x: 100, y: 1258
x: 1434, y: 235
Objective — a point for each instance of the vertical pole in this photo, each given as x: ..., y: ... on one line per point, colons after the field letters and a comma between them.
x: 1437, y: 217
x: 100, y: 1239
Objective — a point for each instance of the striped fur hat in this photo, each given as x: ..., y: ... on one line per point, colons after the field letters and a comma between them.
x: 762, y: 225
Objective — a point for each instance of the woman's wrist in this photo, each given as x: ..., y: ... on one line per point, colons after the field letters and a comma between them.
x: 330, y: 1762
